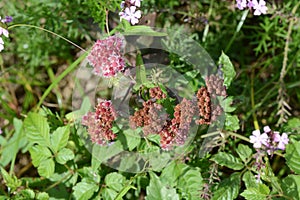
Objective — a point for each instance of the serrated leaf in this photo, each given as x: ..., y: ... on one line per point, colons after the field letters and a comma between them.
x: 226, y: 104
x: 28, y: 194
x: 249, y: 179
x: 38, y: 154
x: 64, y: 155
x: 133, y: 138
x: 46, y: 168
x: 156, y: 190
x: 227, y: 68
x: 244, y: 152
x: 115, y: 181
x: 84, y: 191
x: 109, y: 194
x: 229, y: 188
x: 258, y: 193
x: 228, y: 160
x: 59, y: 138
x: 231, y: 122
x: 190, y: 183
x: 291, y: 185
x: 88, y: 174
x: 42, y: 196
x: 292, y: 156
x: 171, y: 173
x: 37, y: 129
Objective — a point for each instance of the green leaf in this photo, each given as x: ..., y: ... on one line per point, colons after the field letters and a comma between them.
x: 229, y: 188
x: 89, y: 175
x: 64, y: 155
x: 231, y: 122
x: 59, y: 138
x: 109, y: 194
x: 258, y: 193
x: 28, y: 194
x: 133, y: 138
x: 226, y: 104
x: 84, y: 191
x: 142, y: 30
x: 249, y: 179
x: 171, y: 173
x: 293, y: 125
x: 42, y: 196
x: 140, y: 72
x: 38, y: 154
x: 37, y: 129
x: 227, y: 68
x: 244, y: 152
x: 228, y: 160
x: 292, y: 156
x: 190, y: 183
x: 14, y: 144
x: 115, y: 181
x: 291, y: 185
x: 156, y: 190
x: 46, y: 168
x: 12, y: 182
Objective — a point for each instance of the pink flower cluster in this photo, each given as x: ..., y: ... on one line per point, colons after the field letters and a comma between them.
x: 3, y: 31
x: 259, y: 6
x: 269, y: 140
x: 130, y: 11
x: 100, y: 122
x: 106, y: 57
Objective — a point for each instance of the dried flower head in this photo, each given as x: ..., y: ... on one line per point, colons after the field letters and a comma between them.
x: 157, y: 93
x: 100, y: 122
x: 106, y: 56
x: 215, y: 86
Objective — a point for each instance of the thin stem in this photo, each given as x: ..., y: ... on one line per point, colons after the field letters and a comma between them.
x: 238, y: 28
x: 255, y: 122
x: 60, y: 77
x: 48, y: 31
x: 206, y: 29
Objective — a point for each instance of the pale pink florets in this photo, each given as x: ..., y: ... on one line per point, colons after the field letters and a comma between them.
x: 259, y: 6
x: 106, y: 57
x: 100, y: 122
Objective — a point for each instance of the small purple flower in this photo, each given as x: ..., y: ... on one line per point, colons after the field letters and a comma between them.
x: 267, y: 129
x: 1, y: 131
x: 259, y: 7
x: 7, y: 19
x: 131, y: 15
x: 258, y: 139
x: 282, y: 140
x: 241, y: 4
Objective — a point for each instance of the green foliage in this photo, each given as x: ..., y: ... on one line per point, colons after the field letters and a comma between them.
x: 293, y: 156
x: 228, y: 188
x: 260, y: 192
x: 227, y: 68
x: 228, y: 160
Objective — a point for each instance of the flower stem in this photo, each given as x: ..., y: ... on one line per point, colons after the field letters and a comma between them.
x: 48, y: 31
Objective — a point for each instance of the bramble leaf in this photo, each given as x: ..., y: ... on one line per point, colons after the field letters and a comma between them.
x: 46, y: 168
x: 292, y: 156
x: 256, y: 193
x: 37, y: 129
x: 64, y: 155
x: 115, y: 181
x: 228, y: 160
x: 84, y: 191
x: 231, y: 122
x: 60, y: 137
x: 229, y: 188
x: 291, y: 185
x: 38, y: 154
x: 244, y: 152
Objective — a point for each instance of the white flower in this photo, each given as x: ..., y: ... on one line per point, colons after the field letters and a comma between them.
x: 131, y: 15
x: 259, y: 7
x: 4, y: 32
x: 258, y: 139
x: 137, y: 3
